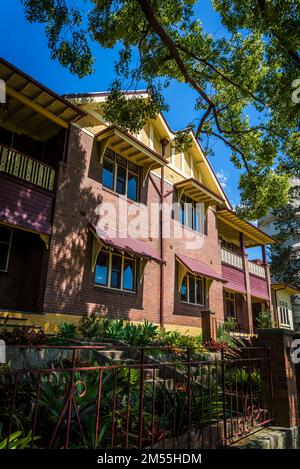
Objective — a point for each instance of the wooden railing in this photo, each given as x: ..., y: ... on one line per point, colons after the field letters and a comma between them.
x: 231, y: 258
x: 256, y: 269
x: 28, y: 169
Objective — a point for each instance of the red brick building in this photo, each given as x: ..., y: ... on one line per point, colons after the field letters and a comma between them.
x: 65, y: 172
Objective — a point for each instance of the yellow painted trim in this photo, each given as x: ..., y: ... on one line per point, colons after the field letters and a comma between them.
x: 36, y: 107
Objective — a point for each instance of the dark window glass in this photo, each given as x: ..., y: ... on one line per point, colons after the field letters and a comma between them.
x: 191, y: 290
x: 128, y: 275
x: 3, y: 255
x: 110, y: 154
x: 183, y: 290
x: 101, y: 274
x: 133, y: 167
x: 132, y: 186
x: 116, y: 265
x: 5, y: 234
x: 108, y: 174
x: 121, y: 180
x: 121, y: 161
x: 200, y: 292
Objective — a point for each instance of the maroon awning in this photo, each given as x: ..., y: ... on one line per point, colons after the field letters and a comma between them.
x: 131, y: 245
x: 199, y: 268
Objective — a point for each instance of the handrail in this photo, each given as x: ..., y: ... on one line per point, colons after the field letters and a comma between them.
x: 26, y: 168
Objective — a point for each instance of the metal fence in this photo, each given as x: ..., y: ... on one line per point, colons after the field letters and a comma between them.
x: 183, y: 403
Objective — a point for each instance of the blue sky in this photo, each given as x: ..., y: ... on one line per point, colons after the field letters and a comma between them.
x: 25, y: 45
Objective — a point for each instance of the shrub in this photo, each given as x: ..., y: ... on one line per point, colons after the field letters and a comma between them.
x: 22, y: 335
x: 67, y: 330
x: 264, y: 319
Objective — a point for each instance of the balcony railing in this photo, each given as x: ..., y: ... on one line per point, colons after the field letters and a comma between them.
x: 256, y: 269
x: 28, y: 169
x: 231, y: 258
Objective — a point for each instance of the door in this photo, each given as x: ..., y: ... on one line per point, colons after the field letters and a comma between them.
x: 30, y: 275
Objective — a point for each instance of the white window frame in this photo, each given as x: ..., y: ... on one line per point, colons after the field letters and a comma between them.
x: 124, y: 257
x: 7, y: 243
x: 198, y: 207
x: 115, y: 172
x: 204, y: 288
x: 284, y: 313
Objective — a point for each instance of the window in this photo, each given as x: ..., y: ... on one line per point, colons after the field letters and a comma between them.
x: 116, y: 271
x: 229, y: 304
x: 193, y: 290
x: 5, y: 244
x: 190, y: 214
x: 284, y: 313
x: 120, y: 175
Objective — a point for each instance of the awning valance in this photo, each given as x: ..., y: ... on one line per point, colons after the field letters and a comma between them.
x: 127, y: 145
x: 230, y: 225
x: 198, y: 192
x: 32, y: 108
x: 113, y: 240
x: 195, y: 267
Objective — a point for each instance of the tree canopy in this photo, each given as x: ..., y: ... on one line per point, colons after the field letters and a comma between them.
x: 285, y: 255
x: 244, y: 81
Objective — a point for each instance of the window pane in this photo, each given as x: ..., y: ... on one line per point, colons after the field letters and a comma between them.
x: 183, y: 290
x: 108, y: 174
x: 5, y: 234
x: 132, y: 167
x: 128, y: 275
x: 121, y: 161
x: 191, y: 290
x: 189, y: 211
x: 182, y: 213
x: 200, y: 292
x: 110, y: 154
x: 121, y: 180
x: 101, y: 274
x: 132, y: 188
x: 3, y: 255
x: 197, y: 220
x: 115, y: 281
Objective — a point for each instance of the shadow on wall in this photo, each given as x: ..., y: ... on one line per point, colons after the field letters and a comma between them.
x: 70, y: 286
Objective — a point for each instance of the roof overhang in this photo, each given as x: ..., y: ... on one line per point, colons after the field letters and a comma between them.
x: 127, y: 145
x: 31, y: 108
x: 197, y: 268
x: 198, y: 192
x: 230, y: 225
x: 284, y: 286
x: 113, y: 240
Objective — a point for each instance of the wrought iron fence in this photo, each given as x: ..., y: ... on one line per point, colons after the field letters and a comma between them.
x: 178, y: 404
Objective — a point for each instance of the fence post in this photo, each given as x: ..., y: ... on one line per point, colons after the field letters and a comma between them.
x: 141, y: 398
x: 283, y: 371
x: 224, y: 397
x: 189, y: 398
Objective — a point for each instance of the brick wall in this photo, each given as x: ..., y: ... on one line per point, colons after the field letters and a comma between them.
x: 70, y: 282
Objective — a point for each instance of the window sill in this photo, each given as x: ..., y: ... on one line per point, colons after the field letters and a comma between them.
x: 193, y: 231
x: 114, y: 290
x: 121, y: 196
